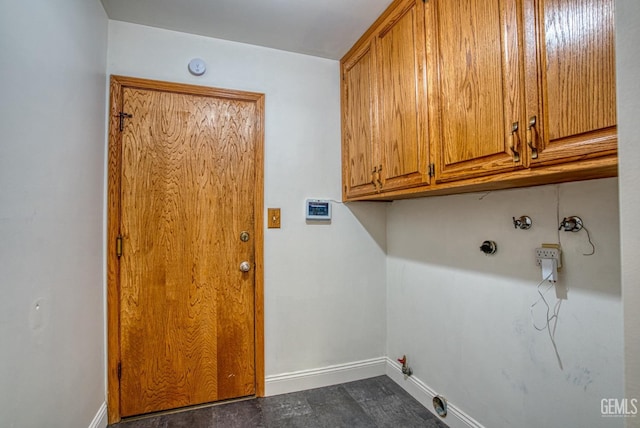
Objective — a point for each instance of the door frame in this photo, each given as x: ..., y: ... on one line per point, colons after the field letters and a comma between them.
x: 114, y: 168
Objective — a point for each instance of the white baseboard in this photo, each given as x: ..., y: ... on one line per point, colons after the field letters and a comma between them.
x: 100, y: 420
x: 455, y: 418
x: 318, y: 378
x: 341, y: 373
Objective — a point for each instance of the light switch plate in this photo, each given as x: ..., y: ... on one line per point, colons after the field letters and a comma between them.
x: 273, y: 218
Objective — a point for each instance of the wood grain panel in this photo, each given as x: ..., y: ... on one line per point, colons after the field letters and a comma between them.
x: 580, y: 63
x: 480, y: 92
x: 402, y: 88
x: 235, y: 299
x: 188, y: 189
x: 571, y: 90
x: 359, y: 121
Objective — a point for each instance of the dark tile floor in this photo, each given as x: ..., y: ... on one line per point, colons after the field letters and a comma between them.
x: 375, y: 402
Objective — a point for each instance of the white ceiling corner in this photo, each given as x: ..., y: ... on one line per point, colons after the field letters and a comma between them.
x: 324, y: 28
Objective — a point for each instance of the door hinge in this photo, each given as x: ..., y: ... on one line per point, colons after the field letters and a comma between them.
x: 122, y: 115
x: 119, y: 246
x: 119, y: 371
x: 432, y: 170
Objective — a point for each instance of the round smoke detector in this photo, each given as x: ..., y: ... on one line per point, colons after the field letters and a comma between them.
x: 197, y: 67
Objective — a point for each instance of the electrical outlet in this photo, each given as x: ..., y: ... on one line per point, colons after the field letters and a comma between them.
x: 549, y: 251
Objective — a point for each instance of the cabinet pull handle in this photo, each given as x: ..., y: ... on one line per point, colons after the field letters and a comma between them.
x: 378, y: 179
x: 374, y: 177
x: 512, y: 136
x: 530, y: 131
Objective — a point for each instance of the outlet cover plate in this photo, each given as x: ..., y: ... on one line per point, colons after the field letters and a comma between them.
x: 548, y: 252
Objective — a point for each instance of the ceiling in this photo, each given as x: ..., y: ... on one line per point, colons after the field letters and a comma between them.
x: 324, y: 28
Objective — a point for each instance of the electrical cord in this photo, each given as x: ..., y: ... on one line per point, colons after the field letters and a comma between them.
x: 541, y: 298
x: 549, y: 318
x: 558, y: 211
x: 485, y: 195
x: 593, y: 247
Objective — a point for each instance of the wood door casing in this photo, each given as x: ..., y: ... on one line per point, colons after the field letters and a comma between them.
x: 402, y: 101
x: 191, y: 181
x: 571, y: 79
x: 481, y: 94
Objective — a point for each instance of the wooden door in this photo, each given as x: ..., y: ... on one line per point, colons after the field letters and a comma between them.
x: 359, y: 116
x: 189, y: 188
x: 571, y: 76
x: 402, y: 100
x: 481, y: 94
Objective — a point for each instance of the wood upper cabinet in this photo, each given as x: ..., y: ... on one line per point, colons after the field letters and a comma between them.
x: 402, y: 108
x: 385, y: 141
x: 571, y: 90
x: 359, y: 122
x: 452, y: 96
x: 481, y: 91
x: 524, y: 84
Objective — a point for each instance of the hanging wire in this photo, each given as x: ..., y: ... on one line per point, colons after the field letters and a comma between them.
x: 593, y: 247
x: 485, y: 195
x: 549, y: 318
x: 558, y: 210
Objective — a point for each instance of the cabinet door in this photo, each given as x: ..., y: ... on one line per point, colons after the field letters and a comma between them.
x: 570, y: 79
x: 403, y: 142
x: 481, y: 90
x: 358, y: 123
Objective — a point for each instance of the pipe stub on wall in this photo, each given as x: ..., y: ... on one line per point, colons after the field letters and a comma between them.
x: 489, y: 247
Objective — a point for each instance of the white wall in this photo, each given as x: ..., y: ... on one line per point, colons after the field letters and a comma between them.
x: 324, y: 284
x: 52, y: 74
x: 628, y: 70
x: 463, y: 318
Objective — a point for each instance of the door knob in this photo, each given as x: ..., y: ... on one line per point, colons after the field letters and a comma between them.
x: 245, y: 267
